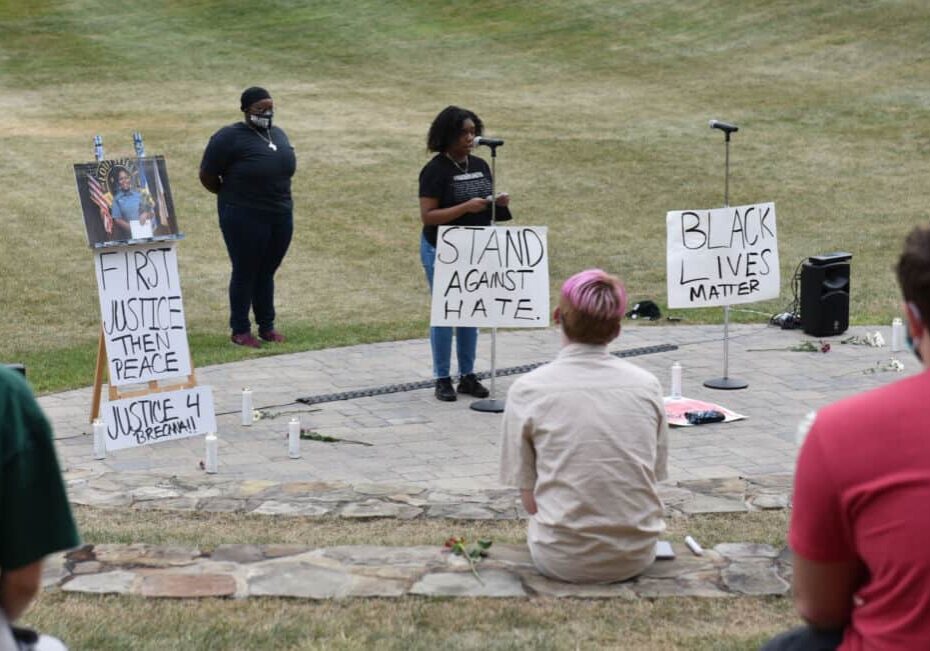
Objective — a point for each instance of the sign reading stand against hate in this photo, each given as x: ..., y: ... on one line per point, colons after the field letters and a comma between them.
x: 491, y: 276
x: 723, y: 256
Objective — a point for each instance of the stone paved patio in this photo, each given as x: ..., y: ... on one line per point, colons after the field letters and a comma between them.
x: 416, y: 439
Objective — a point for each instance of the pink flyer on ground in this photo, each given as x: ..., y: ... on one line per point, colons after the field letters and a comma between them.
x: 675, y: 409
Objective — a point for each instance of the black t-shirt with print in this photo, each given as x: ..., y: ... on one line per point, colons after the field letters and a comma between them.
x: 453, y: 184
x: 254, y: 175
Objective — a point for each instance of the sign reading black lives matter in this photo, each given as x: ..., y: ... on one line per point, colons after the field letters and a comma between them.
x: 491, y: 276
x: 143, y: 315
x: 723, y: 256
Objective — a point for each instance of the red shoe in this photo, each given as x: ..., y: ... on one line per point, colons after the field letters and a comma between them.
x: 273, y: 336
x: 246, y: 339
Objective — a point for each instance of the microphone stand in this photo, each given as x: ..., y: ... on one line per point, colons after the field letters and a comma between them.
x: 726, y: 382
x: 490, y: 404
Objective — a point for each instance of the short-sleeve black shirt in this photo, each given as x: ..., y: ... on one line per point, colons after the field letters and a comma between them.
x: 254, y: 175
x: 442, y: 179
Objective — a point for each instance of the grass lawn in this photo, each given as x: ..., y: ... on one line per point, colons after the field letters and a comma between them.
x: 604, y: 106
x: 110, y: 622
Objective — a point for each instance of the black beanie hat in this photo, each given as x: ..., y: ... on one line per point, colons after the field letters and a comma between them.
x: 252, y: 95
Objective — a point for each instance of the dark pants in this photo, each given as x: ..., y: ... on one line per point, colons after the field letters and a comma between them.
x: 805, y: 638
x: 256, y: 247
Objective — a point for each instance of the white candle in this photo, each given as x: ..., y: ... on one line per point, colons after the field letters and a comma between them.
x: 246, y: 407
x: 694, y: 546
x: 676, y: 380
x: 212, y: 453
x: 100, y: 439
x: 897, y: 335
x: 293, y: 438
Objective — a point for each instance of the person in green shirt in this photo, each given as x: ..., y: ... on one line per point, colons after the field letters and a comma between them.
x: 35, y: 518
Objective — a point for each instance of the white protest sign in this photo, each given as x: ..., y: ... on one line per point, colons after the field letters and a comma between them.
x: 491, y: 276
x: 722, y: 256
x: 158, y: 417
x: 143, y: 315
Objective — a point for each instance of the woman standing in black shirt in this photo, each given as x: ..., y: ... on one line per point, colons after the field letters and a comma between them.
x: 454, y: 190
x: 249, y: 166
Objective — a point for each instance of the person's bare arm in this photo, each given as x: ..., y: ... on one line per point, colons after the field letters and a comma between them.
x: 211, y: 182
x: 433, y: 215
x: 823, y: 592
x: 18, y: 588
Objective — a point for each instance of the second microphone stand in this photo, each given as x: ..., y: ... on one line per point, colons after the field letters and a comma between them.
x: 726, y: 382
x: 491, y: 404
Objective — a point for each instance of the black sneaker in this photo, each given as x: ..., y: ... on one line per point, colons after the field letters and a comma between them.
x: 472, y: 386
x: 444, y: 390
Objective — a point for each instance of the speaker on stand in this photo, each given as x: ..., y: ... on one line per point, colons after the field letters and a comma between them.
x: 825, y: 294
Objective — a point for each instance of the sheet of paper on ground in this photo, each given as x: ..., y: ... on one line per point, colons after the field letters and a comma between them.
x: 158, y: 417
x: 142, y: 312
x: 723, y: 256
x: 491, y: 276
x: 675, y: 409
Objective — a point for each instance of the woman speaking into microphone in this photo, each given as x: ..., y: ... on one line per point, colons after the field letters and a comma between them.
x: 455, y: 188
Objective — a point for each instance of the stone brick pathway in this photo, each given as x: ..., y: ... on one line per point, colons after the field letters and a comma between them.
x: 405, y: 502
x: 417, y: 439
x: 241, y: 571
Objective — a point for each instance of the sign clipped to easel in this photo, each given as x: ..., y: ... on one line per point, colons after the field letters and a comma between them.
x: 130, y: 222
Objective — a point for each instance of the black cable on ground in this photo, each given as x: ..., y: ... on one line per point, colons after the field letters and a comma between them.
x: 428, y: 384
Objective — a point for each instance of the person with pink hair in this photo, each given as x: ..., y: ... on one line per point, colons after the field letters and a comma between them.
x: 585, y: 439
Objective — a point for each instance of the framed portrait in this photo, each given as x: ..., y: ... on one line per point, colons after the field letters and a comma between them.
x: 126, y: 200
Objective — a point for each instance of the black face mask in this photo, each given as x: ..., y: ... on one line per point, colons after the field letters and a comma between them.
x: 261, y: 120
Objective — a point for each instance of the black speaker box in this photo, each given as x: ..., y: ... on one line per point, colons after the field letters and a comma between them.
x: 825, y: 294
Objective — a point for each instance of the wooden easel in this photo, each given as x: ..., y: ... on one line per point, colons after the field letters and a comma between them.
x: 152, y: 386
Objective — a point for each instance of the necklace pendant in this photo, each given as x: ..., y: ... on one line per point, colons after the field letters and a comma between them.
x: 272, y: 146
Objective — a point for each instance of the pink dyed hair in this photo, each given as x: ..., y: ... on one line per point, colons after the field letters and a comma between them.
x: 591, y: 306
x: 595, y: 293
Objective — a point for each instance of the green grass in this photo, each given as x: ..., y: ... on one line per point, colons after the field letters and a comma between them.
x: 110, y: 622
x: 73, y: 366
x: 207, y: 530
x: 604, y: 106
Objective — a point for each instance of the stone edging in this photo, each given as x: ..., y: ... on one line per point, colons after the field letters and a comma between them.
x: 242, y: 571
x: 319, y: 499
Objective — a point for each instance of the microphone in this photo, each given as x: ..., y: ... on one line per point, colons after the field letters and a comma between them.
x: 488, y: 142
x: 723, y: 126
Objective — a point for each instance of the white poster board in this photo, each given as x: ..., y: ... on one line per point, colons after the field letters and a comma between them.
x: 158, y: 417
x: 491, y: 276
x: 723, y: 256
x: 142, y: 313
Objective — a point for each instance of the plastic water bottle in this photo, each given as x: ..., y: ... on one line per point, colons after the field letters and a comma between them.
x: 676, y: 380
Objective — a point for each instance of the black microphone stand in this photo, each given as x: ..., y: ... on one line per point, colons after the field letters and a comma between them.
x: 725, y: 382
x: 490, y: 404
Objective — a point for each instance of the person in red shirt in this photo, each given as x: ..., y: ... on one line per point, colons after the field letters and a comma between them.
x: 860, y: 525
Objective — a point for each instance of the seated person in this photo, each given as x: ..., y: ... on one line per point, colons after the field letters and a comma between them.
x: 35, y: 519
x: 585, y: 439
x: 860, y: 521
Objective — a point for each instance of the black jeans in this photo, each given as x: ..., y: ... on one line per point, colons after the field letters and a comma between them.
x: 256, y: 245
x: 805, y: 638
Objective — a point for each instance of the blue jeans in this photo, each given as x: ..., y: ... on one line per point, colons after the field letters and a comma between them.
x: 440, y: 339
x: 256, y: 249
